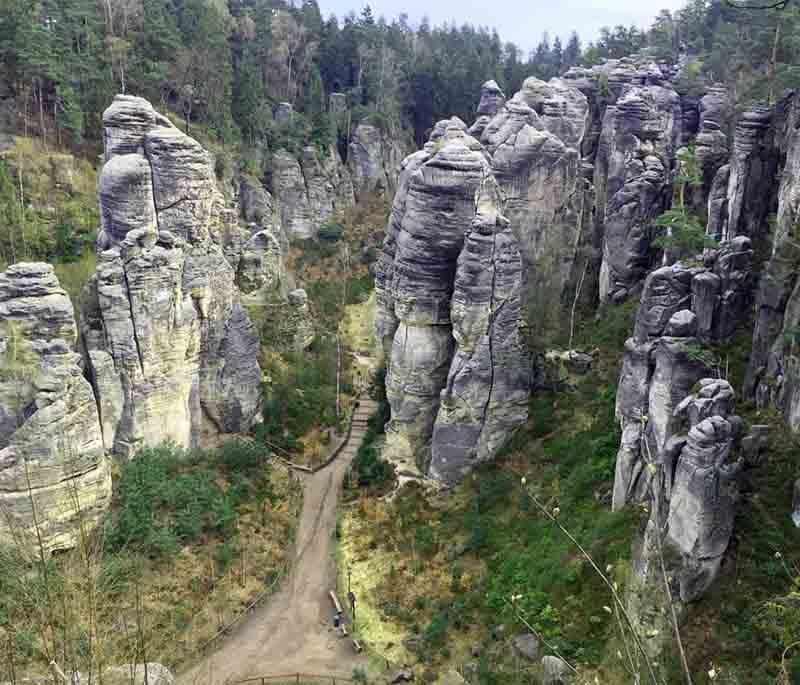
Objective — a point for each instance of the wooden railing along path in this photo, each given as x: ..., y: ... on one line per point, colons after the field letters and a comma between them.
x: 294, y: 678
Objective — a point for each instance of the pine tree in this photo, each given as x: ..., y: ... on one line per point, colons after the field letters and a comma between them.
x: 572, y: 52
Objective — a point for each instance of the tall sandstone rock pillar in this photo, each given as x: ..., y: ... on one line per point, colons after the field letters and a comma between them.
x: 169, y: 350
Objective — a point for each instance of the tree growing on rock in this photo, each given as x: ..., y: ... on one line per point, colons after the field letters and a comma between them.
x: 684, y: 234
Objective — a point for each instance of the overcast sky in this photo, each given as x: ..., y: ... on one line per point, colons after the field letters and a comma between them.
x: 520, y: 21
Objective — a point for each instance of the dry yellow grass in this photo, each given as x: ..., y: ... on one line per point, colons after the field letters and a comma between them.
x: 192, y: 602
x: 166, y: 611
x: 387, y: 571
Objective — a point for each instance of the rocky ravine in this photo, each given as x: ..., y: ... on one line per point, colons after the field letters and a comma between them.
x: 548, y: 199
x: 164, y: 349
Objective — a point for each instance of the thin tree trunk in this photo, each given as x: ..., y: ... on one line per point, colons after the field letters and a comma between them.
x: 43, y: 131
x: 25, y: 112
x: 574, y: 306
x: 21, y: 211
x: 773, y: 62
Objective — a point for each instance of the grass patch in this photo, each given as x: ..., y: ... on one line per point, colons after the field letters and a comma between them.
x: 736, y: 625
x: 192, y: 538
x: 369, y: 473
x: 451, y: 562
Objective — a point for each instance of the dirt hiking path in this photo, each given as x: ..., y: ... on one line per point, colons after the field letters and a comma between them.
x: 292, y: 632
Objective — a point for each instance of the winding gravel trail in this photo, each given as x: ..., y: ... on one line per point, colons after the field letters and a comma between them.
x: 292, y: 632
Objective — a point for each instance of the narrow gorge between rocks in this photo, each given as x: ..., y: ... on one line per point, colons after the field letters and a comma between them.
x: 368, y: 351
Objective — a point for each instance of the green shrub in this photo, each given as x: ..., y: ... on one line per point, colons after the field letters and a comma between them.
x: 372, y: 471
x: 168, y: 498
x: 301, y: 395
x: 224, y: 554
x: 332, y: 231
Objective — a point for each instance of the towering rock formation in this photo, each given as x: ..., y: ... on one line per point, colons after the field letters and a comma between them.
x: 534, y: 142
x: 54, y: 476
x: 711, y: 143
x: 750, y: 176
x: 705, y: 489
x: 452, y: 329
x: 169, y: 350
x: 679, y: 435
x: 681, y: 308
x: 486, y: 394
x: 773, y: 374
x: 492, y: 101
x: 633, y: 181
x: 694, y: 494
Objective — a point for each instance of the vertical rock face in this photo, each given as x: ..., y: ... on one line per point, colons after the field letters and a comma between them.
x: 773, y: 374
x: 753, y: 166
x: 705, y: 490
x: 633, y: 180
x: 678, y: 434
x: 169, y: 351
x: 310, y: 189
x: 680, y: 309
x: 486, y: 394
x: 694, y: 488
x: 439, y: 206
x: 53, y: 470
x: 450, y: 328
x: 290, y: 193
x: 374, y: 160
x: 604, y: 84
x: 386, y: 320
x: 711, y: 143
x: 534, y: 143
x: 722, y: 294
x: 261, y: 271
x: 717, y: 226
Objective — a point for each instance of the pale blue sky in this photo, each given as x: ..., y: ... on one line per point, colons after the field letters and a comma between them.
x: 521, y: 21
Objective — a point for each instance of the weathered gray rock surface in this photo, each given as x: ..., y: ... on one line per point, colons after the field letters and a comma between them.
x: 53, y: 471
x: 448, y: 290
x: 681, y: 308
x: 773, y: 374
x: 486, y: 395
x: 492, y: 101
x: 711, y: 141
x: 534, y: 142
x: 309, y: 190
x: 168, y: 349
x: 704, y: 491
x: 374, y: 160
x: 751, y: 181
x: 633, y: 181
